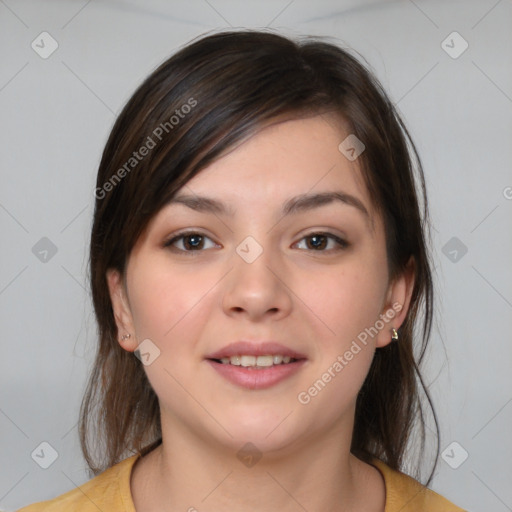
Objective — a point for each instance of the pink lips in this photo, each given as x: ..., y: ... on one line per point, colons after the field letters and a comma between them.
x: 256, y: 378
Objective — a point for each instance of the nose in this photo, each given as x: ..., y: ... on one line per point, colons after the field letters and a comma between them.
x: 257, y: 290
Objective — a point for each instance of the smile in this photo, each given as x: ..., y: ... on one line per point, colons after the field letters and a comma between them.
x: 249, y: 361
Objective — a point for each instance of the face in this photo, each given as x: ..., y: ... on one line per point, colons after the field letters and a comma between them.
x: 276, y: 245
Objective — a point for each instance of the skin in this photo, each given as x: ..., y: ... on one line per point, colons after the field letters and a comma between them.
x: 313, y: 300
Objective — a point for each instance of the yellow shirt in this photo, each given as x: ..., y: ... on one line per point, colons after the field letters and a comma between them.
x: 110, y: 492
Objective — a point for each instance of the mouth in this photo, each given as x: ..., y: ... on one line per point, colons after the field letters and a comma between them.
x: 256, y: 366
x: 256, y: 362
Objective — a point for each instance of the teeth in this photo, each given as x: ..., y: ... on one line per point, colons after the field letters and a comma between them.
x: 248, y: 360
x: 264, y: 361
x: 256, y: 361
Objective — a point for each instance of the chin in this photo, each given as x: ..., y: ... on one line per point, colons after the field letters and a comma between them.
x: 263, y: 428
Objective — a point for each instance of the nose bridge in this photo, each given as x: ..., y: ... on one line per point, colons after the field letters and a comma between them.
x: 255, y: 285
x: 253, y: 261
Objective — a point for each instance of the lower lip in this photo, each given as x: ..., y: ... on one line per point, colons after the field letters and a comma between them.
x: 253, y: 378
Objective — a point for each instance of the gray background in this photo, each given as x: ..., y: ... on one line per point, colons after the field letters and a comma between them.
x: 57, y: 112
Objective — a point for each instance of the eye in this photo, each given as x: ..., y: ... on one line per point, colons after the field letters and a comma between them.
x: 190, y: 241
x: 193, y: 241
x: 320, y: 241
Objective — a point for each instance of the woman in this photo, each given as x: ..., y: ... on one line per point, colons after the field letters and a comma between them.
x: 258, y: 245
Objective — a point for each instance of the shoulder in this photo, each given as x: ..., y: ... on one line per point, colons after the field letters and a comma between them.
x: 109, y: 490
x: 405, y: 494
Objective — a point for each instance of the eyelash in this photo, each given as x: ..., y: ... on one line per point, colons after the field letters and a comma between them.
x: 342, y: 244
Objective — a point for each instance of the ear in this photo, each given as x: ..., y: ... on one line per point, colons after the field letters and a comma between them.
x: 397, y: 303
x: 122, y: 312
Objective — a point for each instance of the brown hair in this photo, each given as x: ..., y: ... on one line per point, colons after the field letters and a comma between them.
x: 201, y: 102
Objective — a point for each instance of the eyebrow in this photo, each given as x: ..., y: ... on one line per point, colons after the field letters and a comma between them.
x: 297, y: 204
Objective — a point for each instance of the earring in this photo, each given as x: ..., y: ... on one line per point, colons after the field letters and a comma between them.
x: 125, y: 336
x: 394, y: 334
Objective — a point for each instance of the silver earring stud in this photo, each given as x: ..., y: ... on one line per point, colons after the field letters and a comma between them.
x: 394, y: 334
x: 125, y: 336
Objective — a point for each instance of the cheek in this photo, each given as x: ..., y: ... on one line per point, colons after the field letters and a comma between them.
x: 170, y: 306
x: 166, y: 301
x: 347, y: 303
x: 347, y: 300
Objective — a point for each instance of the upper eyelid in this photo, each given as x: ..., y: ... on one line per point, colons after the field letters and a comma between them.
x: 187, y: 232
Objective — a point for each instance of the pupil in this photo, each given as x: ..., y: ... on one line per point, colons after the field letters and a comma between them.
x: 317, y: 241
x: 194, y: 241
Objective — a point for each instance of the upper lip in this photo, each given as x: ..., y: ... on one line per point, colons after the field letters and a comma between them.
x: 249, y: 348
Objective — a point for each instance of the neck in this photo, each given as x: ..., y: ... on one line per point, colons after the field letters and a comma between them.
x: 191, y: 474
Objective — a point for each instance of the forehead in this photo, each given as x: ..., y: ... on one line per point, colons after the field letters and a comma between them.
x: 282, y: 160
